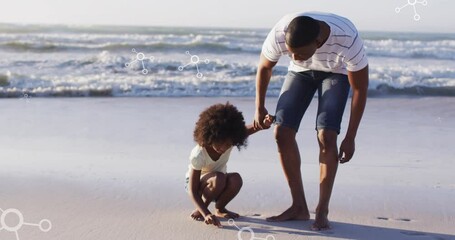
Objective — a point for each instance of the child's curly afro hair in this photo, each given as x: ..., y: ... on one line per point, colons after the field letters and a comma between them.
x: 221, y: 122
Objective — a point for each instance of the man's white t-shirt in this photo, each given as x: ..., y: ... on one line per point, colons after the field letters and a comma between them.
x: 342, y: 52
x: 201, y: 160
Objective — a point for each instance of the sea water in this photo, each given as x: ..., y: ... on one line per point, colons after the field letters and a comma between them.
x: 120, y: 61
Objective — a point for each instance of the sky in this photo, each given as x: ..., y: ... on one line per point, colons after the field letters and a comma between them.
x: 374, y: 15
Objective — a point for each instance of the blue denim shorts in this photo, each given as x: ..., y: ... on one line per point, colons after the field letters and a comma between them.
x: 298, y: 90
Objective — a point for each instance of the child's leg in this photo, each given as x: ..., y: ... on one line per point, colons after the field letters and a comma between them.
x: 233, y: 184
x: 212, y: 184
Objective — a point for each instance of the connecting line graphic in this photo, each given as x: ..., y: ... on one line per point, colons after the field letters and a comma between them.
x: 13, y: 211
x: 248, y: 229
x: 413, y: 4
x: 194, y: 59
x: 140, y: 57
x: 26, y: 97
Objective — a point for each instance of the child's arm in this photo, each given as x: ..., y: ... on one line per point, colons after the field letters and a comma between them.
x: 209, y: 218
x: 268, y: 120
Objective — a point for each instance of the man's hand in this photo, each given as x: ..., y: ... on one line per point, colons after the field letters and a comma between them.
x: 212, y: 219
x: 259, y: 117
x: 268, y: 121
x: 347, y: 149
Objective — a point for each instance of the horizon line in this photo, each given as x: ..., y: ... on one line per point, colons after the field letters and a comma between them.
x: 86, y: 25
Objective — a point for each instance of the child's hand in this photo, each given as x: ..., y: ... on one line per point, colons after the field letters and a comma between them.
x: 268, y: 120
x: 212, y: 219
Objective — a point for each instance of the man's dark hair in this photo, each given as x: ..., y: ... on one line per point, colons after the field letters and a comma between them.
x: 302, y: 31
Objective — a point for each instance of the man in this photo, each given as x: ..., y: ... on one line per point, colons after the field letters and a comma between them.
x: 327, y: 56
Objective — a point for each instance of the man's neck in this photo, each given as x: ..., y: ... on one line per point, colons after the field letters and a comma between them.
x: 324, y: 33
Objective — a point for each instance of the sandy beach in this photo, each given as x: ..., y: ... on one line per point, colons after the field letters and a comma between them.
x: 113, y: 168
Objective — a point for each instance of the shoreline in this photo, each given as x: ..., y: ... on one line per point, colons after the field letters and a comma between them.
x: 381, y: 91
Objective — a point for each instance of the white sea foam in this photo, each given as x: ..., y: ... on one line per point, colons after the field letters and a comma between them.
x: 82, y: 61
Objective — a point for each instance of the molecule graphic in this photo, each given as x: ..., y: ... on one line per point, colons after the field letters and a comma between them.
x: 194, y: 59
x: 248, y: 229
x: 140, y: 57
x: 13, y: 211
x: 413, y: 4
x: 26, y: 97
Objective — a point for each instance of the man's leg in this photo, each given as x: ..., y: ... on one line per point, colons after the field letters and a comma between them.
x: 328, y: 165
x: 296, y: 94
x: 332, y: 95
x: 290, y: 161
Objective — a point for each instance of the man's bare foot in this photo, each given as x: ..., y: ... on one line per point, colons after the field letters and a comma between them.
x: 292, y: 213
x: 321, y: 222
x: 224, y: 213
x: 197, y: 216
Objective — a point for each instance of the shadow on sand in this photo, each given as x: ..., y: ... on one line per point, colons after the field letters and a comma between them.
x: 339, y: 230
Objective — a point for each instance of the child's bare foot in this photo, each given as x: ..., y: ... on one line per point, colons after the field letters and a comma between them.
x: 293, y: 213
x: 224, y: 213
x: 196, y: 216
x: 321, y: 222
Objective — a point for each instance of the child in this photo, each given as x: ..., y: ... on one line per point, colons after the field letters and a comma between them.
x: 219, y: 128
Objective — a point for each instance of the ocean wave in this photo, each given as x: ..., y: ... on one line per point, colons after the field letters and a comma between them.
x: 216, y: 41
x: 384, y: 90
x: 92, y: 30
x: 405, y: 76
x: 109, y: 74
x: 136, y: 87
x: 22, y: 46
x: 442, y: 49
x: 81, y: 61
x: 225, y: 81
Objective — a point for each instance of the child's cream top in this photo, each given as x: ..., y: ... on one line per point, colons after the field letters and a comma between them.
x: 200, y: 160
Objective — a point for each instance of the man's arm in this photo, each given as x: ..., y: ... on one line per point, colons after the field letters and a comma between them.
x: 263, y: 75
x: 359, y: 83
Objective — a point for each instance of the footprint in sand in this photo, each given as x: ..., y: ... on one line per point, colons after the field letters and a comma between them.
x: 254, y: 215
x: 266, y: 227
x: 396, y: 219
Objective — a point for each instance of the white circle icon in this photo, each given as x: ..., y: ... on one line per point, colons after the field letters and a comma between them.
x: 249, y: 230
x: 44, y: 225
